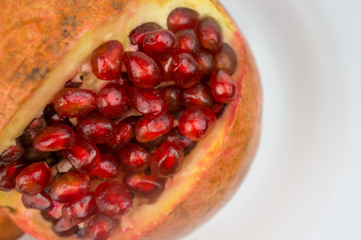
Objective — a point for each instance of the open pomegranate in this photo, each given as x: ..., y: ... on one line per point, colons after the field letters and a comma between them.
x: 123, y: 119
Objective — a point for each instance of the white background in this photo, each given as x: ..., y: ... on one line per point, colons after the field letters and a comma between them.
x: 305, y: 182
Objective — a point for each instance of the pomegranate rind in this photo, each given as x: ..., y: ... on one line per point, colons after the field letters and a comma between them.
x: 211, y: 172
x: 9, y: 230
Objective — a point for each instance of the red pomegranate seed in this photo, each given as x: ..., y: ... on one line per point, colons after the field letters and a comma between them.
x: 124, y: 82
x: 143, y: 185
x: 210, y: 34
x: 149, y: 129
x: 138, y: 34
x: 147, y: 101
x: 64, y: 228
x: 226, y: 59
x: 142, y: 70
x: 35, y: 127
x: 73, y: 102
x: 100, y: 227
x: 124, y: 131
x: 182, y: 18
x: 54, y: 138
x: 84, y: 156
x: 70, y: 187
x: 134, y: 158
x: 12, y: 153
x: 188, y: 42
x: 206, y: 61
x: 160, y: 44
x: 80, y: 210
x: 166, y: 160
x: 171, y: 94
x: 40, y: 201
x: 113, y: 198
x: 112, y: 100
x: 95, y: 128
x: 54, y: 213
x: 174, y: 136
x: 218, y: 108
x: 197, y: 95
x: 106, y: 60
x: 52, y: 118
x: 196, y: 122
x: 108, y: 167
x: 8, y: 175
x: 32, y: 155
x: 223, y: 87
x: 33, y: 179
x: 184, y: 70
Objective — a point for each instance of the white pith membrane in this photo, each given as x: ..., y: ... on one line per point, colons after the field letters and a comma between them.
x: 81, y: 51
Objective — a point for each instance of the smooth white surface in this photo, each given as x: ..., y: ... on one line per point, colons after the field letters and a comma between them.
x: 305, y: 180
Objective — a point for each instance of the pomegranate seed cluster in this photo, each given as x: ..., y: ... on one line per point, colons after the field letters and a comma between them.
x: 91, y: 153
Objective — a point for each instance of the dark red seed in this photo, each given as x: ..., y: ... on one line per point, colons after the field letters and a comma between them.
x: 12, y: 153
x: 32, y: 155
x: 113, y: 198
x: 147, y: 101
x: 124, y: 82
x: 210, y: 34
x: 100, y: 227
x: 54, y: 138
x: 33, y: 129
x: 151, y: 146
x: 71, y: 84
x: 134, y: 158
x: 112, y: 100
x: 196, y: 122
x: 178, y: 114
x: 188, y: 42
x: 52, y: 118
x: 171, y: 94
x: 84, y: 156
x: 182, y: 18
x: 106, y: 60
x: 143, y: 185
x: 149, y: 129
x: 206, y: 62
x: 40, y: 201
x: 80, y: 210
x: 184, y: 70
x: 124, y: 131
x: 160, y: 44
x: 166, y: 160
x: 8, y: 175
x: 33, y: 179
x: 142, y: 70
x: 226, y: 59
x: 223, y: 87
x: 70, y: 187
x: 138, y: 34
x: 218, y: 108
x: 73, y: 102
x: 197, y: 95
x: 54, y: 213
x: 174, y: 136
x: 95, y: 128
x: 108, y: 167
x: 64, y: 228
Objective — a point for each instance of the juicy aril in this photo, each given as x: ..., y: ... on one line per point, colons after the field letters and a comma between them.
x: 123, y: 119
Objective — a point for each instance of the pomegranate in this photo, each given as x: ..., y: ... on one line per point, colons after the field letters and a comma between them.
x: 124, y: 117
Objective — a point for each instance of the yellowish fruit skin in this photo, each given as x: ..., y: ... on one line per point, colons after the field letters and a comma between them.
x: 213, y: 170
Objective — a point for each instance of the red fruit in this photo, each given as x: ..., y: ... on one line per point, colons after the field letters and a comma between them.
x: 53, y: 213
x: 223, y: 87
x: 174, y: 136
x: 108, y: 167
x: 182, y: 18
x: 138, y: 34
x: 113, y: 198
x: 196, y: 122
x: 12, y: 153
x: 40, y: 201
x: 80, y: 210
x: 100, y: 227
x: 54, y: 138
x: 52, y: 118
x: 84, y: 156
x: 33, y: 155
x: 144, y: 185
x: 184, y: 70
x: 206, y: 62
x: 8, y: 175
x: 33, y: 179
x: 142, y: 70
x: 226, y: 59
x: 147, y: 101
x: 112, y: 100
x: 197, y: 95
x: 134, y: 158
x: 95, y: 128
x: 171, y: 94
x: 149, y: 129
x: 33, y: 129
x: 210, y: 34
x: 188, y: 42
x: 124, y: 131
x: 160, y: 44
x: 70, y: 187
x: 218, y: 108
x: 124, y: 82
x: 106, y: 60
x: 73, y: 102
x: 64, y: 228
x: 166, y: 160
